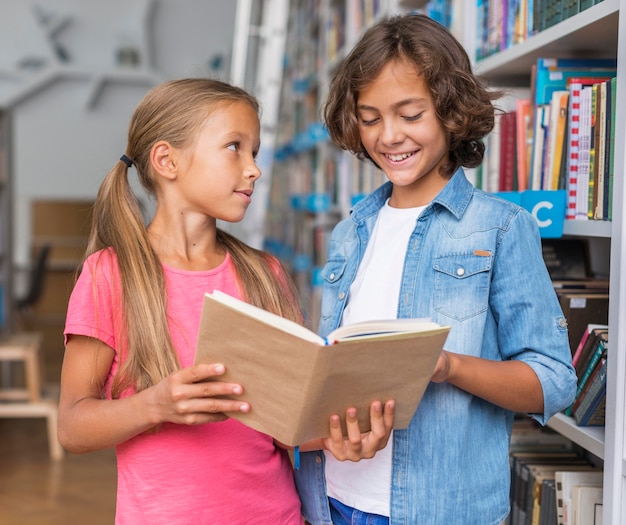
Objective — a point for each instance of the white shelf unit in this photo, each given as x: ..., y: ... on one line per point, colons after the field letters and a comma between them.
x: 597, y: 31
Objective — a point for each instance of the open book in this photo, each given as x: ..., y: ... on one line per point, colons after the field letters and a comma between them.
x: 295, y: 380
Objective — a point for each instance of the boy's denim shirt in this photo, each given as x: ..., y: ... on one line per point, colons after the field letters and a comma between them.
x: 473, y: 262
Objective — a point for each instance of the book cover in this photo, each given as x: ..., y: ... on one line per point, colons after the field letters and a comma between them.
x: 523, y: 141
x: 295, y: 380
x: 547, y: 514
x: 587, y: 414
x: 536, y: 167
x: 584, y: 153
x: 553, y: 74
x: 565, y: 480
x: 600, y: 169
x: 507, y: 180
x: 585, y: 337
x: 556, y: 137
x: 587, y: 505
x: 594, y: 149
x: 612, y: 149
x: 581, y: 308
x: 591, y: 351
x: 588, y: 384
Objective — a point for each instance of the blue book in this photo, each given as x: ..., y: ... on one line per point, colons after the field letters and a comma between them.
x: 553, y: 74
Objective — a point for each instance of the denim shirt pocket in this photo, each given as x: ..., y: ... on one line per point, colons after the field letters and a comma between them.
x: 462, y: 284
x: 331, y: 275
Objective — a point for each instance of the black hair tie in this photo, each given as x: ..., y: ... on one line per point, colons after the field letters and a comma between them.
x: 127, y: 160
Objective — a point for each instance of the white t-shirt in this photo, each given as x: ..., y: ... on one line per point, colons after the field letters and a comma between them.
x: 366, y: 484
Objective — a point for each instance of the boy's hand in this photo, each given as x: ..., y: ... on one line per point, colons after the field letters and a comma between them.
x: 358, y: 445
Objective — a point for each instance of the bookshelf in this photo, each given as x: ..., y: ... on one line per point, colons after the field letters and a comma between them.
x: 597, y: 31
x: 311, y: 190
x: 6, y: 211
x: 312, y: 184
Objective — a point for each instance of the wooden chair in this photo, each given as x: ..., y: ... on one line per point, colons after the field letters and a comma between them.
x: 26, y: 401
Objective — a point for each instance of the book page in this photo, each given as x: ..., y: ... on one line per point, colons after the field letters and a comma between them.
x: 269, y: 318
x: 385, y: 328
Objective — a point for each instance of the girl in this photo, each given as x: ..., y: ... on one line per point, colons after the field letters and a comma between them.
x: 427, y: 244
x: 133, y: 318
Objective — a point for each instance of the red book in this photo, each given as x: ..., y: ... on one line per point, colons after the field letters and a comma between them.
x: 508, y: 162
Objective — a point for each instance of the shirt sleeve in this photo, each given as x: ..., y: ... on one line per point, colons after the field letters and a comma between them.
x: 531, y: 324
x: 94, y: 305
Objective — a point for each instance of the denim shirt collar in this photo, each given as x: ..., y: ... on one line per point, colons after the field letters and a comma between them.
x: 455, y: 197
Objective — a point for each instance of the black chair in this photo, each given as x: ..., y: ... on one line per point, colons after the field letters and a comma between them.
x: 36, y: 280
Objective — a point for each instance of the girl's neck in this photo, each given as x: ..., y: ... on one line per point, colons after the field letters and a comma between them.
x: 187, y: 248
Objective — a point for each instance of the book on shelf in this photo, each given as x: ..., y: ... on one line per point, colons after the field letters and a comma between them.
x: 582, y: 307
x: 608, y: 204
x: 591, y: 352
x: 547, y: 513
x: 557, y: 145
x: 587, y: 505
x: 587, y: 360
x: 604, y: 188
x: 574, y: 124
x: 589, y: 388
x: 523, y: 142
x: 565, y: 480
x: 531, y: 465
x: 592, y: 408
x: 584, y: 153
x: 600, y: 166
x: 566, y: 258
x: 537, y: 154
x: 507, y: 172
x: 594, y: 148
x: 554, y: 74
x: 295, y: 380
x: 586, y: 337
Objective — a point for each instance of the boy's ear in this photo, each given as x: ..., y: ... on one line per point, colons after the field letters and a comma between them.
x: 163, y: 159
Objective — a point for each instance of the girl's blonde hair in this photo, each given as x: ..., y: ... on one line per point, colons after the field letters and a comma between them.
x: 463, y: 104
x: 174, y: 112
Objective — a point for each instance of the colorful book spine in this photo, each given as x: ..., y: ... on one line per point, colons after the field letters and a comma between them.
x: 573, y: 140
x: 592, y: 404
x: 584, y: 153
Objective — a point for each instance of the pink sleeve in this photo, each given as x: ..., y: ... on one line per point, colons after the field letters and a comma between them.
x: 94, y: 306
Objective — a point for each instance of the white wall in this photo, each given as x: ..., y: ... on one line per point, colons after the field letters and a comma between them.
x: 70, y: 121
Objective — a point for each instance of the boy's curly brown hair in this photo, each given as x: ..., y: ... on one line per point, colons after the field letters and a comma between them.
x: 462, y: 101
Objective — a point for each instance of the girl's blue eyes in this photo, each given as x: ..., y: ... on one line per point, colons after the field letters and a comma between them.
x: 235, y: 146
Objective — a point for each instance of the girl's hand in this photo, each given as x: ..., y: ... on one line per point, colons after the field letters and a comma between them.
x: 185, y: 397
x: 359, y: 445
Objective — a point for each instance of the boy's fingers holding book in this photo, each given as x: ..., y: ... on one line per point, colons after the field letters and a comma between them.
x: 381, y: 420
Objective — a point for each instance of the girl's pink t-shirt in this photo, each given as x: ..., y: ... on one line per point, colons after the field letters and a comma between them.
x: 214, y: 473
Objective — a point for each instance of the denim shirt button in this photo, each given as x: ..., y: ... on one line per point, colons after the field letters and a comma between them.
x: 460, y: 272
x: 562, y: 322
x: 318, y: 459
x: 332, y: 276
x: 341, y: 296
